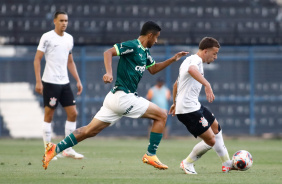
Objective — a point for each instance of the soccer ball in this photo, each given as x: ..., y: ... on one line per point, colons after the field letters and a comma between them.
x: 242, y: 160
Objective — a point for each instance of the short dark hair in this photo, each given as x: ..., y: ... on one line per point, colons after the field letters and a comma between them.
x: 208, y: 42
x: 58, y: 13
x: 150, y: 27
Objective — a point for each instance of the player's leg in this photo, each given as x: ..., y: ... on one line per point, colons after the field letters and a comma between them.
x: 198, y: 151
x: 70, y: 126
x: 50, y: 98
x: 133, y: 106
x: 47, y: 126
x: 220, y: 147
x: 68, y: 102
x: 159, y: 118
x: 198, y: 126
x: 90, y: 130
x: 98, y: 123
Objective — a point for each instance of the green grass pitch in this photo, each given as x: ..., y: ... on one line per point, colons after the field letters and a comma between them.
x: 118, y: 161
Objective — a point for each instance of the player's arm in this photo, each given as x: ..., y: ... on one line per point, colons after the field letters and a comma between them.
x: 108, y: 57
x: 37, y: 70
x: 161, y: 65
x: 194, y: 72
x: 174, y: 92
x: 73, y: 71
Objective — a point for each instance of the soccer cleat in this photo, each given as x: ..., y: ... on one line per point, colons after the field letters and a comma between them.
x: 49, y: 154
x: 227, y: 166
x: 55, y: 158
x: 154, y: 161
x: 72, y: 154
x: 187, y: 168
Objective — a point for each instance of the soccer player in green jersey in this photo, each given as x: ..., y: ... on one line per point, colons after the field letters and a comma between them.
x: 122, y: 100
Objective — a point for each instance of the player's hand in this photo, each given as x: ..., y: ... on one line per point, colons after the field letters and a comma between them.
x: 178, y: 55
x: 209, y: 94
x: 172, y: 110
x: 107, y: 78
x: 39, y: 87
x: 79, y: 88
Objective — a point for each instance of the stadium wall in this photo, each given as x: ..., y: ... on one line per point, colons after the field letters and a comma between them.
x: 246, y: 82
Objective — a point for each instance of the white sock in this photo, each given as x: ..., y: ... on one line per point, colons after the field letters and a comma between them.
x: 69, y: 127
x: 47, y: 132
x: 199, y: 149
x: 220, y: 148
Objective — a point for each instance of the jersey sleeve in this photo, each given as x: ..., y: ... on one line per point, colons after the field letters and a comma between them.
x: 43, y: 43
x: 124, y: 48
x: 150, y: 60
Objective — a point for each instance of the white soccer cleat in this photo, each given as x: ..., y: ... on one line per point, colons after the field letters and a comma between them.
x: 54, y: 158
x: 227, y: 166
x: 71, y: 153
x: 187, y: 168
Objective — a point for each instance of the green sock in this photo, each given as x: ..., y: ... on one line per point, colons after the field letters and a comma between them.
x: 69, y: 141
x: 155, y: 139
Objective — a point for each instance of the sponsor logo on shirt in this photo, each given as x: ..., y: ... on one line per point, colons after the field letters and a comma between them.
x: 127, y: 51
x: 140, y: 68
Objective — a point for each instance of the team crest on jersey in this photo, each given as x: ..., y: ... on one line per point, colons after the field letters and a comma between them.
x: 52, y: 101
x: 204, y: 122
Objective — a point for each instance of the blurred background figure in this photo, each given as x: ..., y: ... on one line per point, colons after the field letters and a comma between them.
x: 160, y: 95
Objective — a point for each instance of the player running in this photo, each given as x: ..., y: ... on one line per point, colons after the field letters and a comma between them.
x: 123, y: 100
x: 197, y: 118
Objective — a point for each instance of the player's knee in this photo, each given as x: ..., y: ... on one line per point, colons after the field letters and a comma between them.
x: 48, y: 117
x: 211, y: 141
x: 163, y: 116
x: 73, y: 115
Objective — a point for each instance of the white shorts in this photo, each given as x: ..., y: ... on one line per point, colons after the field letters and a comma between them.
x: 121, y: 104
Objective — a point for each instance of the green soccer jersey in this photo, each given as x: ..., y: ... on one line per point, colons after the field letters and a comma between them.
x: 133, y: 61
